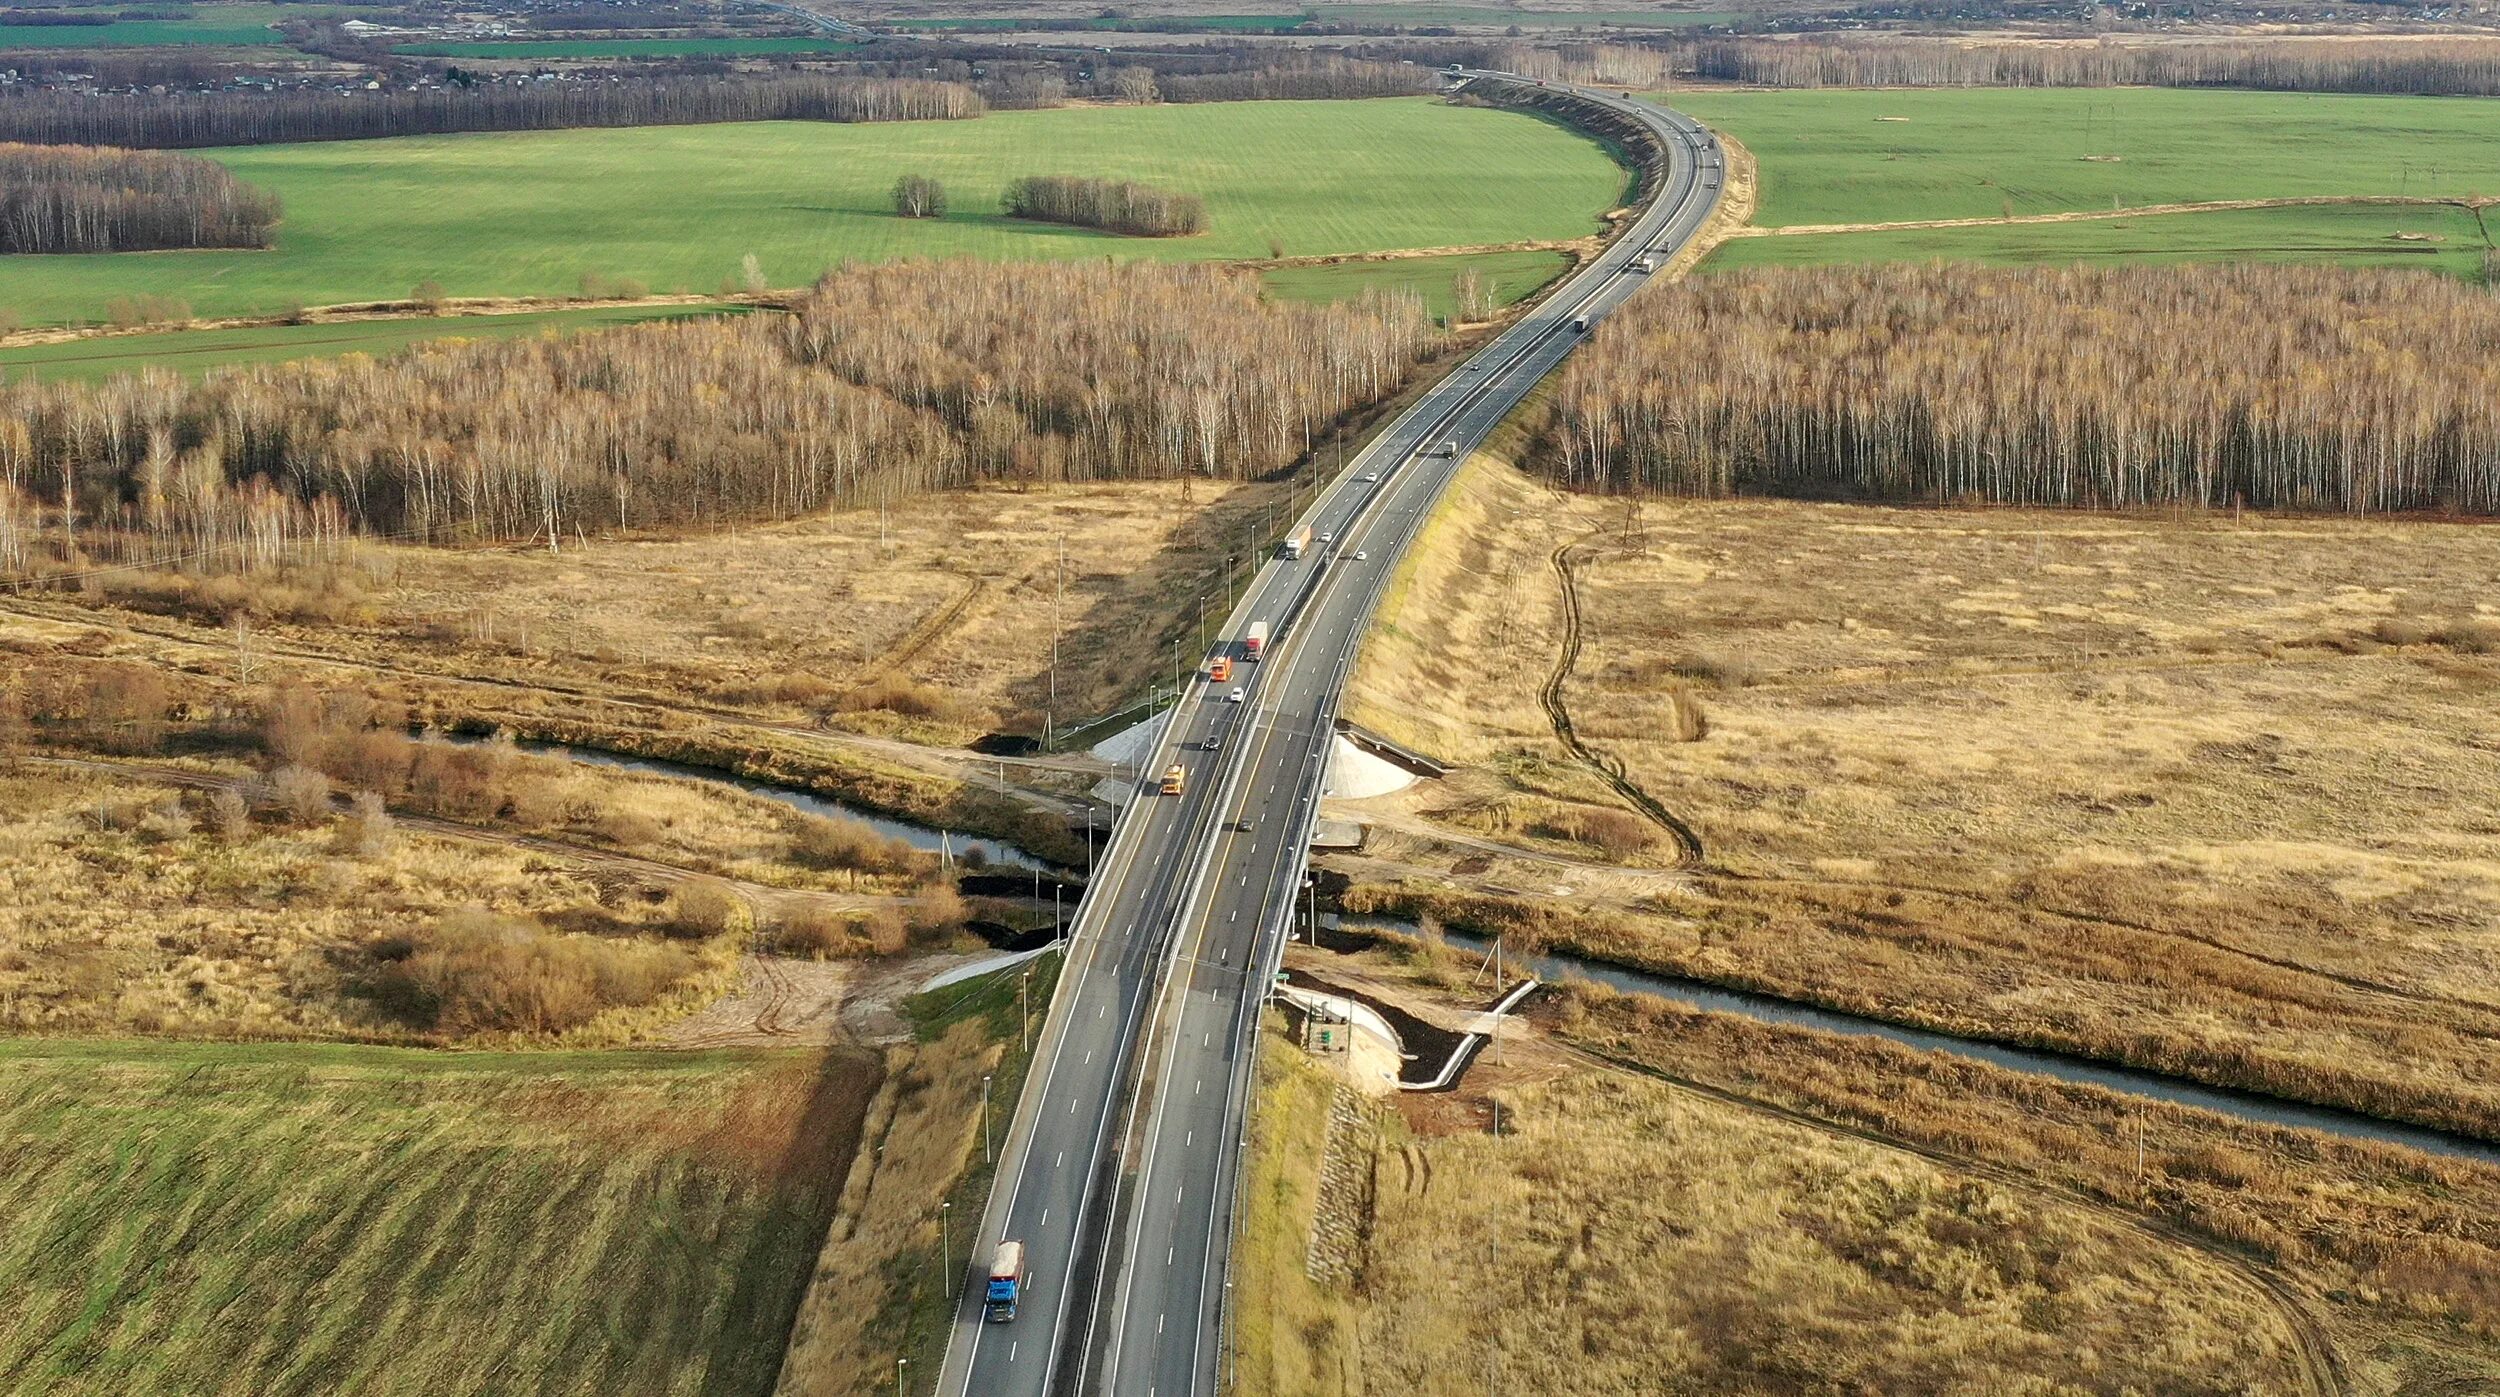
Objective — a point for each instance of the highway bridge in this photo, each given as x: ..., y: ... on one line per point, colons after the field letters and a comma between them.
x: 1119, y: 1168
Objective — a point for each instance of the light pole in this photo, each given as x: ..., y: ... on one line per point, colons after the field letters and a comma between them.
x: 1024, y: 987
x: 899, y: 1365
x: 946, y: 1248
x: 985, y: 1119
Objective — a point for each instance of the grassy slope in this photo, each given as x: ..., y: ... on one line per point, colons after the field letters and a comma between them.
x: 196, y: 351
x: 2352, y: 236
x: 274, y: 1220
x: 1827, y: 158
x: 679, y: 206
x: 1514, y: 274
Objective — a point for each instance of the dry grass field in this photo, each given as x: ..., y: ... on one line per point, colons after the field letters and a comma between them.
x: 2204, y: 793
x: 1741, y: 1207
x: 126, y: 907
x: 1621, y: 1236
x: 930, y: 620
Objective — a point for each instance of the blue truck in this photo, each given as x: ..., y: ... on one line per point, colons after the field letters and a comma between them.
x: 1006, y: 1282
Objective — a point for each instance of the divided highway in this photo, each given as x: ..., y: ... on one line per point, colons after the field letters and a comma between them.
x: 1120, y: 1164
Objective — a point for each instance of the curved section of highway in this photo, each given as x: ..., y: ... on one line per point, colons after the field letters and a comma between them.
x: 1119, y: 1168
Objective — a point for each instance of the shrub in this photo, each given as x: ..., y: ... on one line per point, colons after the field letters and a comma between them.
x: 886, y: 931
x: 2397, y: 631
x: 298, y: 793
x: 367, y: 830
x: 229, y: 815
x: 702, y: 909
x: 937, y: 911
x: 819, y: 933
x: 919, y: 196
x: 2472, y: 637
x: 895, y: 693
x: 823, y: 842
x: 130, y: 312
x: 476, y: 972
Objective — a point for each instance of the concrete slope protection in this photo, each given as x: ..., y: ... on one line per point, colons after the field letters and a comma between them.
x: 1119, y: 1167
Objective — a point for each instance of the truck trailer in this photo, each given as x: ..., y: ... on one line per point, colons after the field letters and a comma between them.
x: 1254, y: 644
x: 1299, y: 541
x: 1006, y: 1282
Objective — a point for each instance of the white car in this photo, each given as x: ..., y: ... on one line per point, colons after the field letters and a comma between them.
x: 1360, y: 555
x: 1236, y: 695
x: 1371, y: 479
x: 1328, y: 538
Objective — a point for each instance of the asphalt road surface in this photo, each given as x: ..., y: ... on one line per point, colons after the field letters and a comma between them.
x: 1119, y: 1167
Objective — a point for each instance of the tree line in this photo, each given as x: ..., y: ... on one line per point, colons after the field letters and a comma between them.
x: 1308, y: 79
x: 908, y: 377
x: 94, y: 199
x: 2291, y: 387
x: 191, y: 119
x: 2460, y: 67
x: 1115, y: 206
x: 2454, y: 67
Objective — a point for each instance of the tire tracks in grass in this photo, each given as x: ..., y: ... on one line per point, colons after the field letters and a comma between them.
x: 2322, y: 1368
x: 1689, y: 852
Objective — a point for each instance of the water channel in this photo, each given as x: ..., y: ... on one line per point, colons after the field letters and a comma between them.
x: 1763, y: 1008
x: 997, y: 853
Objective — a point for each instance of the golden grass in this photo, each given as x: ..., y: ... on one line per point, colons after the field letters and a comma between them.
x: 930, y: 619
x: 120, y: 912
x: 1623, y: 1237
x: 2157, y: 788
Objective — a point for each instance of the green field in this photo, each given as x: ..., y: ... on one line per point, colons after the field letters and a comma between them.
x: 678, y: 206
x: 1827, y: 157
x: 2445, y: 239
x: 629, y: 48
x: 219, y: 25
x: 197, y: 351
x: 1514, y: 276
x: 277, y: 1220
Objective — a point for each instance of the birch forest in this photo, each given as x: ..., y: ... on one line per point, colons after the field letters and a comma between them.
x: 2299, y: 388
x: 183, y: 119
x: 901, y: 377
x: 2464, y: 66
x: 95, y: 199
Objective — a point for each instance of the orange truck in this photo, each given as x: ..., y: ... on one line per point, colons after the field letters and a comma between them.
x: 1220, y: 671
x: 1172, y: 778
